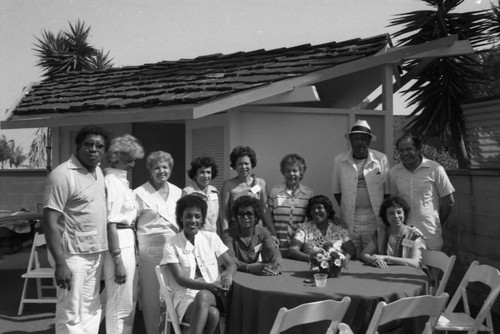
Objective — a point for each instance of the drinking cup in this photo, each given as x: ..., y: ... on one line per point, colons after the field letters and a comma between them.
x: 320, y: 280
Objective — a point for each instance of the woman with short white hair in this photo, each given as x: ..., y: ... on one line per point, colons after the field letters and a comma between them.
x: 120, y: 265
x: 156, y: 224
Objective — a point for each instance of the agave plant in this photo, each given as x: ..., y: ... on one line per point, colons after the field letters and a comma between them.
x: 439, y: 90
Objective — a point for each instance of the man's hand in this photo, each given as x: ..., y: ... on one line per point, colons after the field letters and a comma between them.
x: 63, y: 276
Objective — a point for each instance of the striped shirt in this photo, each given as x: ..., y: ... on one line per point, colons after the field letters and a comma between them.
x: 288, y: 210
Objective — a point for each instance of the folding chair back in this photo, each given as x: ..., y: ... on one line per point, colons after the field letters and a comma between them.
x: 441, y: 261
x: 35, y: 270
x: 463, y: 321
x: 167, y: 296
x: 410, y: 307
x: 312, y: 312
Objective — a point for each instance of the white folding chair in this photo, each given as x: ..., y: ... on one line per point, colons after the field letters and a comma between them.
x: 312, y: 312
x: 463, y: 321
x: 166, y: 295
x: 441, y: 261
x: 35, y: 270
x: 409, y: 307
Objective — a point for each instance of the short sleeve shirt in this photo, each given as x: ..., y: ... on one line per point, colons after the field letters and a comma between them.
x: 312, y: 238
x: 288, y: 210
x: 204, y: 253
x: 81, y: 198
x: 422, y: 189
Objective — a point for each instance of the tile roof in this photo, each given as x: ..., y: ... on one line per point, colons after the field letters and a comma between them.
x: 188, y: 81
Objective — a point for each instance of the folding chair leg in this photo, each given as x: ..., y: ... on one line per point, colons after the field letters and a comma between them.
x: 39, y: 288
x: 23, y: 296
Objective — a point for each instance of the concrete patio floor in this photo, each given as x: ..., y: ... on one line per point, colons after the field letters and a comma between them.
x: 36, y: 318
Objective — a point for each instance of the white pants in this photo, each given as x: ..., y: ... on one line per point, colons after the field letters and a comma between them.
x: 78, y: 311
x: 121, y: 299
x: 365, y: 225
x: 149, y: 288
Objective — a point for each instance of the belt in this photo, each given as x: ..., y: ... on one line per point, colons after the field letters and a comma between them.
x: 122, y: 227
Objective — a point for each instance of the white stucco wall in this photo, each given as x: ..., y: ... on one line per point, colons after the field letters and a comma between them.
x: 318, y: 137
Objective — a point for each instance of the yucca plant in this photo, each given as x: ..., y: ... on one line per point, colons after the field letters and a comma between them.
x: 69, y: 50
x: 58, y: 53
x: 439, y: 90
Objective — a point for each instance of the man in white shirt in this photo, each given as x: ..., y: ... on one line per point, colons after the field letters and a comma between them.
x: 360, y: 183
x: 426, y: 187
x: 74, y: 222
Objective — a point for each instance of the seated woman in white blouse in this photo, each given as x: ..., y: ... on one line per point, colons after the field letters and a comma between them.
x: 400, y: 244
x: 192, y: 256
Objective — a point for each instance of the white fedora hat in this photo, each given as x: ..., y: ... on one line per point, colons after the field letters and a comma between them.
x: 361, y: 126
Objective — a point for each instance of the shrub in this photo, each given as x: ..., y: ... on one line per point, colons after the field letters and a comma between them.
x: 442, y: 156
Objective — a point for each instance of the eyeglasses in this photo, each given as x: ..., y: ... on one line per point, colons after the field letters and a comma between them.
x: 248, y: 214
x: 91, y: 145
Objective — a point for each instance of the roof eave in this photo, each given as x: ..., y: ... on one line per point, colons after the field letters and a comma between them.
x: 107, y: 116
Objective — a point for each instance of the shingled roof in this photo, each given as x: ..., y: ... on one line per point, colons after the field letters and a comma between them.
x: 188, y: 81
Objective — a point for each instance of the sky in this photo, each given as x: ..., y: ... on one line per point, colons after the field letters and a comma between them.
x: 148, y: 31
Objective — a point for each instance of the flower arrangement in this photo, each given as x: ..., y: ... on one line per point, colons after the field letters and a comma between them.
x: 328, y: 259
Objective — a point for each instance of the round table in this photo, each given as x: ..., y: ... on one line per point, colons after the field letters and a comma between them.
x: 256, y: 300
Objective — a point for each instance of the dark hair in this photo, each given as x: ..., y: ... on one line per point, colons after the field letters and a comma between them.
x: 241, y: 151
x: 202, y: 162
x: 393, y: 200
x: 320, y: 199
x: 417, y: 142
x: 245, y: 201
x: 190, y: 201
x: 292, y: 159
x: 91, y: 130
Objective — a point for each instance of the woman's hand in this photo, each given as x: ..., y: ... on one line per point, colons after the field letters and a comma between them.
x: 379, y: 261
x: 120, y: 273
x: 217, y: 289
x: 261, y: 269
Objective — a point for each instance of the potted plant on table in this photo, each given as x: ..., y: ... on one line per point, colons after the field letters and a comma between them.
x: 328, y: 259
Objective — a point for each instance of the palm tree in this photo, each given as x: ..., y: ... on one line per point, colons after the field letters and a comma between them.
x: 63, y: 52
x: 5, y: 150
x: 17, y: 156
x: 440, y: 89
x: 39, y: 148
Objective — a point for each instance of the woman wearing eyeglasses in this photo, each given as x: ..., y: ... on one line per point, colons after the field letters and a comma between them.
x: 251, y: 246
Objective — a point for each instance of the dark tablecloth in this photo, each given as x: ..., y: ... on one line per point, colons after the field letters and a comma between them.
x: 256, y: 300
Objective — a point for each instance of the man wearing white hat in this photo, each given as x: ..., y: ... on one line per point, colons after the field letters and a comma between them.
x: 360, y: 182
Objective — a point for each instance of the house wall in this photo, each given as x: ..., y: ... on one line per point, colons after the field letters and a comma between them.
x: 315, y: 134
x: 21, y: 189
x: 472, y: 231
x: 482, y: 127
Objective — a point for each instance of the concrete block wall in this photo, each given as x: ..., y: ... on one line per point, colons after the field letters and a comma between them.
x: 21, y: 189
x: 472, y: 231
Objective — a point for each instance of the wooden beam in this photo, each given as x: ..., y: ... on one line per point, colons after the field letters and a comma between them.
x: 283, y: 86
x: 134, y: 115
x: 458, y: 48
x: 402, y: 82
x: 298, y: 94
